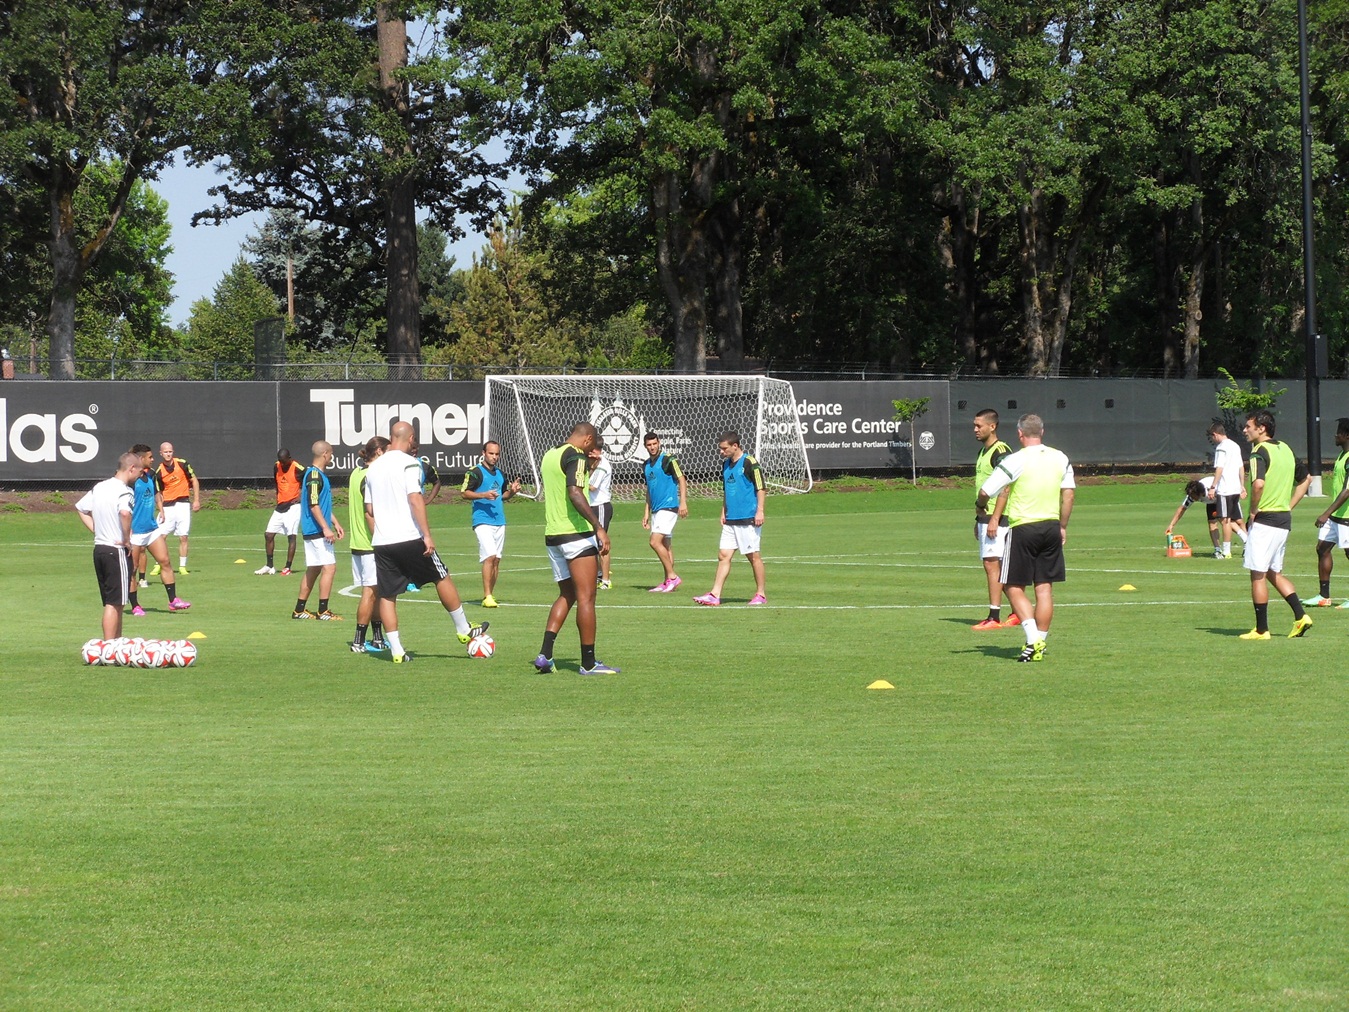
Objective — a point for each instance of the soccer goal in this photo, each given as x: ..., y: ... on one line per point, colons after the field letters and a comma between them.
x: 528, y: 415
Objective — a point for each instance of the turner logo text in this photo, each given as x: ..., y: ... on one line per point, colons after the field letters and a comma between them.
x: 39, y: 438
x: 349, y: 423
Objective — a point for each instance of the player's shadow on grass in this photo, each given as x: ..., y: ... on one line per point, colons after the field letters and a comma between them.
x: 1226, y: 631
x: 1001, y: 651
x: 966, y: 622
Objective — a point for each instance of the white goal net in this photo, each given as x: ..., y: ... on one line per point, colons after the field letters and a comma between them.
x: 528, y: 415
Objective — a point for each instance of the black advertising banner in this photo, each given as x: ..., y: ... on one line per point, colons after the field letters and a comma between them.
x: 73, y: 431
x: 66, y: 431
x: 850, y: 425
x: 448, y: 418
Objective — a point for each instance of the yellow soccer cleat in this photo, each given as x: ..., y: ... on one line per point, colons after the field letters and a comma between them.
x: 1300, y: 627
x: 1255, y: 634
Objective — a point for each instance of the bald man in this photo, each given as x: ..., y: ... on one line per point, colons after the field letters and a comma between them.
x: 182, y: 497
x: 405, y: 552
x: 319, y: 530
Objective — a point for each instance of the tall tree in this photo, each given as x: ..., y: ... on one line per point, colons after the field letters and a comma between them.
x: 337, y: 119
x: 83, y: 81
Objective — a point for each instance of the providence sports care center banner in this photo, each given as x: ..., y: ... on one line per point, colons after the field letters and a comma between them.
x: 230, y: 432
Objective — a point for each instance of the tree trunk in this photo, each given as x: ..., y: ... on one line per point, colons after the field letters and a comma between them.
x: 1194, y: 294
x: 681, y: 266
x: 403, y: 310
x: 1029, y: 215
x: 728, y: 313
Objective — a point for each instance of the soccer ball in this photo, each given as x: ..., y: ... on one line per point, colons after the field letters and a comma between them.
x: 109, y: 652
x: 121, y: 653
x: 153, y: 654
x: 92, y: 652
x: 136, y: 658
x: 482, y: 646
x: 184, y: 654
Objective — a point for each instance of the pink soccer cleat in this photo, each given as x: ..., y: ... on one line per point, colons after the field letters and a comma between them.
x: 711, y: 600
x: 178, y: 604
x: 138, y: 611
x: 758, y: 599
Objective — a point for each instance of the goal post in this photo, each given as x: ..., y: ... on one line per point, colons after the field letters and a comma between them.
x: 528, y: 415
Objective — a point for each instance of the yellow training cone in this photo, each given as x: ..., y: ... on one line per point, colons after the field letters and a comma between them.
x: 880, y: 683
x: 240, y: 562
x: 1128, y: 586
x: 198, y: 635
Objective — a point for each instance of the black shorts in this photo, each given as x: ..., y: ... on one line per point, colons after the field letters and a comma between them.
x: 1034, y: 554
x: 1228, y: 506
x: 112, y: 566
x: 405, y: 563
x: 605, y: 512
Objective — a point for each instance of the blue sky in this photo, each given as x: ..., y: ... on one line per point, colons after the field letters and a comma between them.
x: 202, y: 255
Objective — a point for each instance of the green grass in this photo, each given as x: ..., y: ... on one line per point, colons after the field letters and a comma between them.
x: 1155, y: 817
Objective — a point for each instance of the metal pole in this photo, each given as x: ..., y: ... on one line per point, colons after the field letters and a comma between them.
x: 1309, y: 266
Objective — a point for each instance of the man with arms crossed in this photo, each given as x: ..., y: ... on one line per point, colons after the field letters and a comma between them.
x: 182, y: 497
x: 363, y: 572
x: 320, y: 530
x: 1278, y: 483
x: 991, y: 453
x: 285, y: 519
x: 1229, y: 487
x: 1333, y: 524
x: 575, y: 541
x: 405, y: 552
x: 1040, y: 485
x: 599, y: 490
x: 106, y: 512
x: 666, y: 503
x: 147, y: 537
x: 487, y: 489
x: 742, y: 518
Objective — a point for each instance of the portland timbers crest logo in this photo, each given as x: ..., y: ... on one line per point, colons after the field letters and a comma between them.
x: 620, y: 429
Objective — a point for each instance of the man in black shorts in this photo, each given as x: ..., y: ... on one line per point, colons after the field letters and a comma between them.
x: 106, y: 511
x: 405, y: 553
x: 1039, y: 503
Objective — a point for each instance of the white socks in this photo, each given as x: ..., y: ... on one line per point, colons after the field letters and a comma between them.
x: 461, y: 623
x: 1032, y: 633
x: 395, y: 644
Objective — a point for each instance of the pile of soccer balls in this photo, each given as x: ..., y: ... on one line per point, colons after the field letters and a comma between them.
x: 135, y: 652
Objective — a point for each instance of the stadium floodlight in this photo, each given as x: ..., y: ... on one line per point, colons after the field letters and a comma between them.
x: 528, y: 415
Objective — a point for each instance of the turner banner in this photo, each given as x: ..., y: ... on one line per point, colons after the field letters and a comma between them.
x: 74, y: 431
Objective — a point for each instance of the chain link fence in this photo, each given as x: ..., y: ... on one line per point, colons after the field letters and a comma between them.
x: 31, y: 368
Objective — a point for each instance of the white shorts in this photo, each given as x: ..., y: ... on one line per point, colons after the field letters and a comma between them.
x: 285, y: 522
x: 1264, y: 548
x: 990, y: 548
x: 1336, y: 534
x: 319, y: 552
x: 742, y: 537
x: 559, y: 555
x: 148, y: 539
x: 491, y: 541
x: 363, y: 570
x: 177, y: 519
x: 663, y: 522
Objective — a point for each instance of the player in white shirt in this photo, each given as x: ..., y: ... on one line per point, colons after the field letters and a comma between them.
x: 106, y: 511
x: 1228, y: 487
x: 599, y: 490
x: 1201, y: 491
x: 405, y: 553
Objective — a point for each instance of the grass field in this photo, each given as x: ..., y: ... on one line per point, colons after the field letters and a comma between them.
x: 1153, y: 818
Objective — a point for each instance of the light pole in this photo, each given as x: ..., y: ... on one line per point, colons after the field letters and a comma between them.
x: 1315, y: 345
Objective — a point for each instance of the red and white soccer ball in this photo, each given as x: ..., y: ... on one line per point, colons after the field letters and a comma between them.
x: 137, y: 655
x: 121, y: 652
x: 184, y: 654
x: 92, y: 652
x: 482, y: 647
x: 109, y: 652
x: 153, y: 654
